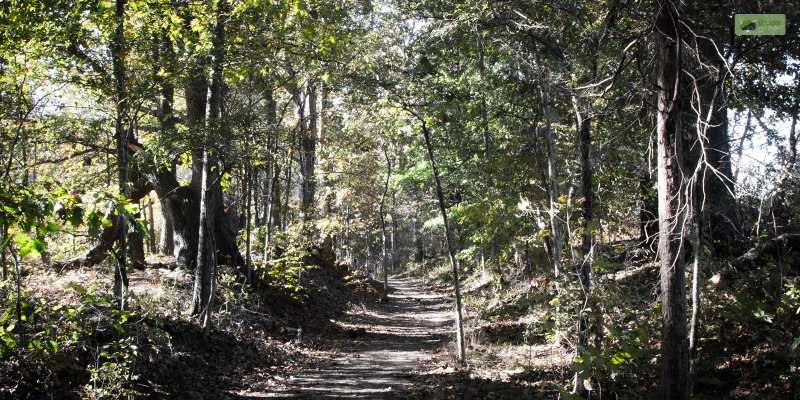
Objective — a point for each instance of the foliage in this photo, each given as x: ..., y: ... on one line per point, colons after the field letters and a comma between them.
x: 286, y: 271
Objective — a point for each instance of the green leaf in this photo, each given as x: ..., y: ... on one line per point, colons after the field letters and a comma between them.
x: 621, y: 358
x: 28, y: 246
x: 52, y: 227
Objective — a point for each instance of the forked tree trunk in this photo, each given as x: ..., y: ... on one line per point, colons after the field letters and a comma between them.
x: 674, y: 348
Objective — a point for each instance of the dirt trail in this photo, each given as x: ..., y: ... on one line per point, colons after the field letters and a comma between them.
x: 378, y: 363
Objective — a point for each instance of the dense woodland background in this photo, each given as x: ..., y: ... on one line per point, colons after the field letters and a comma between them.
x: 191, y: 190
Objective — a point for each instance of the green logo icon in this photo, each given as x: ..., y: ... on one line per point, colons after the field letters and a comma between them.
x: 760, y: 24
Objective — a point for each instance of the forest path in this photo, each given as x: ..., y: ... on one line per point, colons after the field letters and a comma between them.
x: 378, y: 361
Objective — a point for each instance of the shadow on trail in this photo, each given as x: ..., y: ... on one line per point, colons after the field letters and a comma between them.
x: 380, y: 362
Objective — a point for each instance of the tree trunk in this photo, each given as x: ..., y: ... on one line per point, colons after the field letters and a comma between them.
x: 460, y: 345
x: 271, y: 211
x: 699, y: 246
x: 166, y: 128
x: 273, y: 205
x: 792, y: 159
x: 308, y: 144
x: 588, y: 311
x: 674, y: 348
x: 202, y: 295
x: 166, y: 242
x: 210, y: 190
x: 196, y: 96
x: 151, y: 225
x: 553, y: 193
x: 419, y: 246
x: 791, y: 162
x: 3, y: 265
x: 384, y: 242
x: 720, y: 202
x: 180, y: 205
x: 745, y: 134
x: 108, y: 236
x: 393, y: 237
x: 487, y: 141
x: 648, y: 212
x: 136, y: 249
x: 248, y: 228
x: 121, y: 134
x: 287, y: 194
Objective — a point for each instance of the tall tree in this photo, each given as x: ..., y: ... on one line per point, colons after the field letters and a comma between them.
x: 308, y: 150
x: 451, y: 252
x: 674, y: 350
x: 210, y: 193
x: 121, y: 129
x: 384, y: 234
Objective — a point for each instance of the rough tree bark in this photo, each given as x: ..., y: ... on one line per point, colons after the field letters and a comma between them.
x: 674, y: 349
